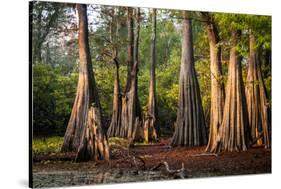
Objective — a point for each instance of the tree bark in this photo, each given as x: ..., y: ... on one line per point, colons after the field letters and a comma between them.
x: 130, y: 64
x: 257, y: 102
x: 151, y: 128
x: 233, y: 133
x: 217, y: 86
x: 84, y: 133
x: 131, y: 112
x: 115, y: 125
x: 190, y: 128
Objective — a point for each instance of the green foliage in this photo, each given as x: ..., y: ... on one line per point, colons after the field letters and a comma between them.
x: 167, y: 38
x: 261, y: 27
x: 200, y: 39
x: 46, y: 145
x: 115, y: 141
x: 53, y: 95
x: 143, y: 86
x: 167, y: 88
x: 105, y: 82
x: 204, y: 77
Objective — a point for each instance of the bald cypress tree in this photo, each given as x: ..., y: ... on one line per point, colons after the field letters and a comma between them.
x: 151, y: 127
x: 115, y: 124
x: 190, y: 128
x: 131, y: 117
x: 84, y: 133
x: 233, y: 132
x: 217, y: 86
x: 257, y: 102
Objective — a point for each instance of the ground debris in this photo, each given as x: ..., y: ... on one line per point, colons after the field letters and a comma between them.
x: 147, y: 163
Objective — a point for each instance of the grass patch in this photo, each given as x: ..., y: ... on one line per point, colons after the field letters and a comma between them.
x: 115, y: 141
x: 47, y: 145
x: 54, y: 144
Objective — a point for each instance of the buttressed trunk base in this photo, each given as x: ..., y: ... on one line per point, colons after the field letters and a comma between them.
x: 190, y: 128
x: 257, y: 103
x: 233, y: 132
x: 84, y: 133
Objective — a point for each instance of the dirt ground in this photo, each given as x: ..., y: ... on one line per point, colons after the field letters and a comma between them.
x: 140, y: 162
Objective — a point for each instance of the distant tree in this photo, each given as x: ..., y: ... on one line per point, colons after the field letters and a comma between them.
x: 131, y: 117
x: 151, y: 114
x: 130, y: 47
x: 190, y: 128
x: 45, y: 16
x: 115, y: 124
x: 114, y: 129
x: 85, y: 134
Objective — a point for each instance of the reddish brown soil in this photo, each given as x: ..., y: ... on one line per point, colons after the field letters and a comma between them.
x: 255, y: 160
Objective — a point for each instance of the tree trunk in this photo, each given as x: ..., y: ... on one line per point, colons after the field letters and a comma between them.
x: 115, y: 125
x: 190, y: 127
x: 217, y: 86
x: 131, y: 113
x: 151, y: 129
x: 256, y: 97
x: 233, y: 132
x: 130, y: 64
x: 84, y: 133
